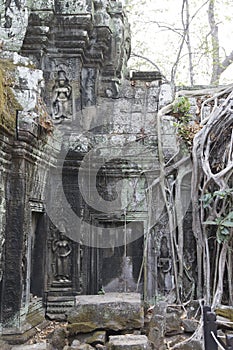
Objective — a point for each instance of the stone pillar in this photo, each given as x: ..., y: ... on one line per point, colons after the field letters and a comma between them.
x: 14, y: 264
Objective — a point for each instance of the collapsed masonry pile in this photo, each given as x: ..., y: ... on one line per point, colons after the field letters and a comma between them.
x: 115, y: 322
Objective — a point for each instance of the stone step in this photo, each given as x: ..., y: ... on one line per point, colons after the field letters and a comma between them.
x: 56, y: 307
x: 38, y: 346
x: 128, y: 342
x: 60, y: 302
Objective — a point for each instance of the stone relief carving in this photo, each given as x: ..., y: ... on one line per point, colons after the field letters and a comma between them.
x: 165, y: 265
x: 102, y: 18
x: 61, y: 96
x: 88, y: 87
x: 118, y: 49
x: 62, y: 249
x: 13, y: 23
x: 71, y: 6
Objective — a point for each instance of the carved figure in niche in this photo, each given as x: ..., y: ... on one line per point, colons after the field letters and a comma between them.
x: 62, y: 250
x: 102, y: 18
x: 118, y: 51
x: 89, y: 87
x: 164, y: 265
x: 41, y: 88
x: 8, y: 12
x: 61, y: 96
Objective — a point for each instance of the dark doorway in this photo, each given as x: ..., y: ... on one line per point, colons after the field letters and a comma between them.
x: 38, y: 254
x: 121, y: 266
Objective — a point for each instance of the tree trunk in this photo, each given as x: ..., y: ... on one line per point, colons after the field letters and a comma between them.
x: 186, y: 26
x: 214, y: 43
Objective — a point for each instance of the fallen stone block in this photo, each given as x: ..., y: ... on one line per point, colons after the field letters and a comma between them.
x: 190, y: 326
x: 38, y: 346
x: 58, y: 339
x: 97, y: 338
x: 191, y: 345
x: 82, y: 347
x: 128, y: 342
x: 155, y: 328
x: 4, y: 346
x: 94, y: 338
x: 78, y: 346
x: 113, y: 311
x: 173, y: 324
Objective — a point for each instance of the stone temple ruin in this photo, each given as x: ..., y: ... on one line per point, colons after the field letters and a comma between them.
x: 77, y: 99
x: 78, y: 160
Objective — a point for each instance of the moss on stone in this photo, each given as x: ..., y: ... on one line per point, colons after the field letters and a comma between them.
x: 226, y: 312
x: 8, y: 102
x: 81, y: 327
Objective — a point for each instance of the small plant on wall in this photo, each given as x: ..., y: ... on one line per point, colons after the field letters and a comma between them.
x: 186, y: 129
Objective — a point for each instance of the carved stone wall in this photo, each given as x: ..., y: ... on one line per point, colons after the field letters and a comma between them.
x: 26, y: 155
x: 75, y: 55
x: 76, y: 169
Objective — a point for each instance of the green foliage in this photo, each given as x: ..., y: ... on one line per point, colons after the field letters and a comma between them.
x: 224, y: 223
x: 157, y: 34
x: 185, y: 130
x: 182, y: 107
x: 208, y: 197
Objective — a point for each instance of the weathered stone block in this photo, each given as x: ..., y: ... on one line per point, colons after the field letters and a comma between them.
x: 4, y: 346
x: 101, y: 347
x: 110, y: 311
x: 165, y: 96
x: 173, y: 324
x: 38, y: 346
x: 81, y: 347
x: 128, y: 342
x: 191, y: 345
x: 58, y: 340
x: 189, y: 325
x: 156, y: 331
x: 97, y: 338
x: 155, y: 328
x: 225, y: 311
x: 174, y: 340
x: 77, y: 346
x: 75, y: 342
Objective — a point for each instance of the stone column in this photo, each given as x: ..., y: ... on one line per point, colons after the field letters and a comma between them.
x: 14, y: 264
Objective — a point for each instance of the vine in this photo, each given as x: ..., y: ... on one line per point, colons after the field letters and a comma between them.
x: 224, y: 219
x: 211, y: 193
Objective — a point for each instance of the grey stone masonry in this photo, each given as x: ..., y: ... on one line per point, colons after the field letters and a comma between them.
x: 39, y: 346
x: 114, y: 311
x: 128, y: 342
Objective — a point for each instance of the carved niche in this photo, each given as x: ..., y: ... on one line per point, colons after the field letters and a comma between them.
x: 61, y: 97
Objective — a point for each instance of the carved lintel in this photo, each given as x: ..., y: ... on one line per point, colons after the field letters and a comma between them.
x: 80, y: 21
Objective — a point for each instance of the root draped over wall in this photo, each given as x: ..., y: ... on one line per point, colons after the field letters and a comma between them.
x: 212, y: 169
